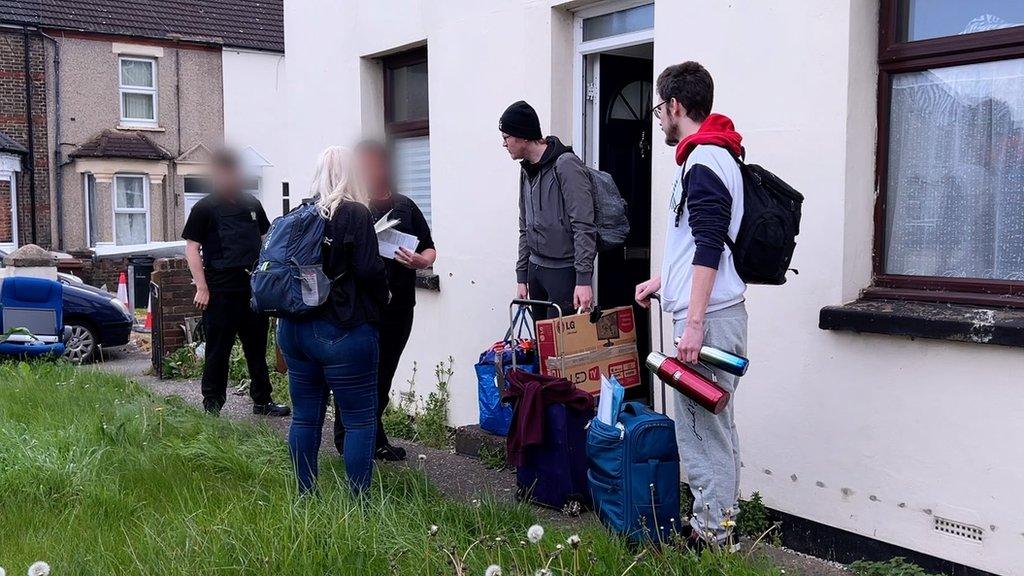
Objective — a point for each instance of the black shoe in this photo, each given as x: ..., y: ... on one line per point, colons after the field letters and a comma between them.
x: 389, y: 453
x: 271, y: 409
x: 211, y: 409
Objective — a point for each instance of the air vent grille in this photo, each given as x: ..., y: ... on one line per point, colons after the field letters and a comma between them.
x: 958, y: 529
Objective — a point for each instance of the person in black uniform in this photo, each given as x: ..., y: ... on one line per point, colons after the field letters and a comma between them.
x: 396, y: 317
x: 222, y: 236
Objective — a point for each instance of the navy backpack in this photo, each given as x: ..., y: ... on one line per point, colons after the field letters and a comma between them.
x: 634, y: 474
x: 289, y: 279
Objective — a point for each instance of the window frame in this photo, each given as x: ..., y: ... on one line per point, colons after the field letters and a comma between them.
x: 144, y: 210
x: 895, y: 57
x: 409, y: 128
x: 123, y: 89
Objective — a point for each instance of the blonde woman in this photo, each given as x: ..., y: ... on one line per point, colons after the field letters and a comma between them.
x: 335, y: 348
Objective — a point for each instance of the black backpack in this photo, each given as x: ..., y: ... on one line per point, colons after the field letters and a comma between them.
x: 764, y: 246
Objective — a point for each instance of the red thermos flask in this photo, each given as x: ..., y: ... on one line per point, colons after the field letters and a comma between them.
x: 685, y: 379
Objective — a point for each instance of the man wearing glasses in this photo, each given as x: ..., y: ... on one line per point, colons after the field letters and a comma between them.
x: 557, y: 235
x: 700, y: 286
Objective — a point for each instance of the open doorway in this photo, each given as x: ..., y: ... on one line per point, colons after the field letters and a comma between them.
x: 615, y: 55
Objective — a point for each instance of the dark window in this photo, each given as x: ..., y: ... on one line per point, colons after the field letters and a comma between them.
x: 406, y: 103
x: 407, y: 124
x: 949, y: 220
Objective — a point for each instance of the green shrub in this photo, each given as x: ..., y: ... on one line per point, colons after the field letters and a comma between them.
x: 424, y: 422
x: 894, y: 567
x: 753, y: 521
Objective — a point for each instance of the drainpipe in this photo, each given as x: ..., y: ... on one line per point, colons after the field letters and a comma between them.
x: 31, y: 135
x: 58, y: 156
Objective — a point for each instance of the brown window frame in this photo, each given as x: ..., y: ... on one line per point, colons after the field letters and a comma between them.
x: 411, y: 128
x: 895, y: 57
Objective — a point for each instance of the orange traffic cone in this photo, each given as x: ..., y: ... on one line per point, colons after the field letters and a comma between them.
x: 148, y: 324
x: 122, y: 290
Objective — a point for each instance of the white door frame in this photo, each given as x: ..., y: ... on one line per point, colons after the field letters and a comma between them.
x: 586, y: 123
x: 10, y: 165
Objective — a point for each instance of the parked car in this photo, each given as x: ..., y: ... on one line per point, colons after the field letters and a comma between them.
x: 95, y: 318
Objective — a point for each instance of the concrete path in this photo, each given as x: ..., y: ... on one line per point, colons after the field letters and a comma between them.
x: 457, y: 477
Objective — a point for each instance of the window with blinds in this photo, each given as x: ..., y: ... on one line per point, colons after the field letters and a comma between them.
x: 407, y: 123
x: 412, y: 171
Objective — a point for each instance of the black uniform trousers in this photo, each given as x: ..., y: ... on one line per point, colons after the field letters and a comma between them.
x: 554, y: 285
x: 227, y: 316
x: 393, y: 330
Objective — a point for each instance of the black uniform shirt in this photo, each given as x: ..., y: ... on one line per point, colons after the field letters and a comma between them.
x: 402, y: 280
x: 230, y: 232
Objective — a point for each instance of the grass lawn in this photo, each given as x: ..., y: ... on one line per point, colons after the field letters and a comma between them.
x: 98, y: 476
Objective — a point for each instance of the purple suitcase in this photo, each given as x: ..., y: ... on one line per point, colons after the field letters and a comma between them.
x: 555, y: 472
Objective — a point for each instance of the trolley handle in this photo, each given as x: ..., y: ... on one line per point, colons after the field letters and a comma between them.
x: 655, y: 297
x: 521, y: 302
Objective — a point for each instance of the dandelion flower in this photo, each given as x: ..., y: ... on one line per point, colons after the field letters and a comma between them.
x: 39, y: 568
x: 433, y: 529
x: 493, y: 570
x: 574, y: 541
x: 535, y: 533
x: 727, y: 523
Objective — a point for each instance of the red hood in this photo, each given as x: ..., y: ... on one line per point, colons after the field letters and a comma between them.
x: 717, y: 130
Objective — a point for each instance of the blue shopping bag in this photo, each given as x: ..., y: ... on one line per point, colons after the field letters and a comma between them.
x: 496, y: 416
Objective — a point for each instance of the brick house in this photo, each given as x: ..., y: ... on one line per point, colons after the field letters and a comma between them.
x: 127, y: 105
x: 24, y: 168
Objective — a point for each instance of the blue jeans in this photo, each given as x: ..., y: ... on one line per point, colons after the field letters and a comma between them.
x: 322, y: 356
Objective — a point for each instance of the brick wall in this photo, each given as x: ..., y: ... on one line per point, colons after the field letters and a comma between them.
x: 172, y: 297
x: 100, y: 272
x: 14, y: 124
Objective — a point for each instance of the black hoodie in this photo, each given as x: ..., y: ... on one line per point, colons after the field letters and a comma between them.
x: 556, y: 214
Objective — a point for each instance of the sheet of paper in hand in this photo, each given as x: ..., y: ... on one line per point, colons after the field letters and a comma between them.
x: 390, y: 240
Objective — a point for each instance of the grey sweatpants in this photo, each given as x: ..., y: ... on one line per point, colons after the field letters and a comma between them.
x: 709, y: 446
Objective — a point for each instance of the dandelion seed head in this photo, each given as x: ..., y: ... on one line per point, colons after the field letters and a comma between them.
x: 433, y: 529
x: 421, y: 457
x: 535, y: 533
x: 574, y: 541
x: 559, y: 547
x: 542, y: 572
x: 493, y: 570
x: 39, y: 568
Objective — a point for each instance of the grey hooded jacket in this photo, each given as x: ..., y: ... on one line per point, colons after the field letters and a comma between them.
x: 556, y: 214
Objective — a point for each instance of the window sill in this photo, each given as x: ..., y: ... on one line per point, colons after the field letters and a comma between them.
x: 427, y: 280
x: 958, y: 323
x: 141, y: 128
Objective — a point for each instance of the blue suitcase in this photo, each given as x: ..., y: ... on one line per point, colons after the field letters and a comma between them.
x: 634, y: 474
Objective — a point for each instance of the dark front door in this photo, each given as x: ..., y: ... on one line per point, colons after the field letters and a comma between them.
x: 625, y: 153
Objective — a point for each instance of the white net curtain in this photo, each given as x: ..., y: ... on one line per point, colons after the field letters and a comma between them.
x: 955, y: 190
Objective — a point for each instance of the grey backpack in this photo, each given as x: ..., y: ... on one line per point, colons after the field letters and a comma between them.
x: 610, y: 216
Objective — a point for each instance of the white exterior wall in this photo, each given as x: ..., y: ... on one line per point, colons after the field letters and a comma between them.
x: 872, y: 434
x: 256, y: 115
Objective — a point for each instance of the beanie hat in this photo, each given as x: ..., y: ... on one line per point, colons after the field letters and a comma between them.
x: 520, y: 120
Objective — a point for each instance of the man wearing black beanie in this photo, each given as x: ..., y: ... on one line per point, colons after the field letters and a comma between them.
x: 557, y: 235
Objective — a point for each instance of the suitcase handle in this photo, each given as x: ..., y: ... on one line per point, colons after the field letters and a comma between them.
x: 655, y: 297
x: 523, y: 302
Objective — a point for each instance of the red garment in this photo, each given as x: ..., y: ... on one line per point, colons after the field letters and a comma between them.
x: 716, y: 129
x: 531, y: 393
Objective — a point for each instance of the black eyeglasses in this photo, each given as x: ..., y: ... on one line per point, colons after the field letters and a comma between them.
x: 657, y: 109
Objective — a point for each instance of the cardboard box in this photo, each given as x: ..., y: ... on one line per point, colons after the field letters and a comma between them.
x: 585, y: 368
x: 575, y: 334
